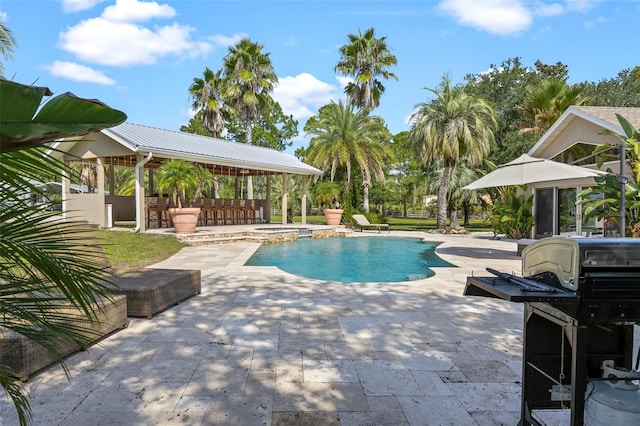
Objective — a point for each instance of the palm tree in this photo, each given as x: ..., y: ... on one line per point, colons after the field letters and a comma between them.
x: 545, y: 103
x: 45, y: 263
x: 366, y: 58
x: 7, y: 44
x: 341, y: 136
x: 450, y: 128
x: 207, y: 94
x: 249, y: 77
x: 178, y: 178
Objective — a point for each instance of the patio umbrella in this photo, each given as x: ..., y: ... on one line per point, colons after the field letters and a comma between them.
x: 526, y: 169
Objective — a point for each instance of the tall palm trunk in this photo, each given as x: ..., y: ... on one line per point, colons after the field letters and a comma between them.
x: 216, y: 187
x: 365, y: 198
x: 441, y: 215
x: 453, y: 217
x: 366, y: 184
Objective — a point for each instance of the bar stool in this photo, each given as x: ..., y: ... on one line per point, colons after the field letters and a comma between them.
x: 227, y: 208
x: 218, y: 212
x: 160, y: 212
x: 207, y: 211
x: 239, y: 212
x: 250, y: 211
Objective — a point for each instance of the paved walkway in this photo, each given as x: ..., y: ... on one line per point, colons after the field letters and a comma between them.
x: 262, y: 347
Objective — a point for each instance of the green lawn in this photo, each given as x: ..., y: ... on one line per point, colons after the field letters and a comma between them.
x: 127, y: 250
x: 401, y: 224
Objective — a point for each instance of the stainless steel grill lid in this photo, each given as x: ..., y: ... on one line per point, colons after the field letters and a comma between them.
x: 571, y: 258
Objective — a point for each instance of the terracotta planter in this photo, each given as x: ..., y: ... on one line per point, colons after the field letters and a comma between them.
x: 185, y: 219
x: 333, y: 216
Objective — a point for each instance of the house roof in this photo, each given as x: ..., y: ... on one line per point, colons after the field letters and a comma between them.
x: 164, y: 143
x: 600, y: 117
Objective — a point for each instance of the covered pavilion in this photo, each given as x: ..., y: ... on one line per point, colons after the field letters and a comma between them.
x: 145, y: 148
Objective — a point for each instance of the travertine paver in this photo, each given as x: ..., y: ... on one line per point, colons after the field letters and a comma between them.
x: 262, y: 347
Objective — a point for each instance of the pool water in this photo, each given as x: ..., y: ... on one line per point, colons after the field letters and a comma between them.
x: 362, y: 259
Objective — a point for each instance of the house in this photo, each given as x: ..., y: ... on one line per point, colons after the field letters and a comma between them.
x: 571, y: 139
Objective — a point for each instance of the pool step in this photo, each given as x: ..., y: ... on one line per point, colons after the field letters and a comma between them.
x: 264, y: 235
x: 199, y: 240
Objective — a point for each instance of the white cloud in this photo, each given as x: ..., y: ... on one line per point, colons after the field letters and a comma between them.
x: 553, y: 9
x: 3, y: 16
x: 105, y: 42
x: 581, y: 5
x: 289, y: 41
x: 343, y: 81
x: 77, y: 72
x: 136, y: 11
x: 501, y: 17
x: 70, y: 6
x: 227, y: 41
x: 302, y: 95
x: 596, y: 21
x: 117, y: 38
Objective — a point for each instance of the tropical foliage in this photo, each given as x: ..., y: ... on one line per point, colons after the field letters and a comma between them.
x: 46, y: 265
x: 7, y: 44
x: 207, y: 94
x: 366, y: 59
x: 183, y: 180
x: 511, y: 214
x: 545, y: 103
x: 449, y: 129
x: 342, y: 137
x: 327, y: 193
x: 604, y: 200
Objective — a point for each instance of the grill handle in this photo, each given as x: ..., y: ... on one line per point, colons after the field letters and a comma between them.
x: 524, y: 284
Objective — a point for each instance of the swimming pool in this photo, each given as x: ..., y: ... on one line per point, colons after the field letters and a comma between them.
x: 361, y: 259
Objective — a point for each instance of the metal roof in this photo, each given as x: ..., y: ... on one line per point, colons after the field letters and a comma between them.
x: 172, y: 144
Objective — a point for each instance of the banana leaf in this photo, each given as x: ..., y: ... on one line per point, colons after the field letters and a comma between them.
x: 22, y: 125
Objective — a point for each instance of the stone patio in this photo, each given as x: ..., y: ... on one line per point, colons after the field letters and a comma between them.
x: 263, y: 347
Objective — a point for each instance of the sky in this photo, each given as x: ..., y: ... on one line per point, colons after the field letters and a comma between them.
x: 141, y: 56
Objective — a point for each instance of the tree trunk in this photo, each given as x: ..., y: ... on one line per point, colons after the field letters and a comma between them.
x: 441, y: 215
x: 216, y: 187
x: 365, y: 198
x: 453, y: 220
x: 465, y: 213
x: 414, y: 200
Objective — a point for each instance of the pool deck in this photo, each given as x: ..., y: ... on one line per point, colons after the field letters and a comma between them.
x: 263, y: 347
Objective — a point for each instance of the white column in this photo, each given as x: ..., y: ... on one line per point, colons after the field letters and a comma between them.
x: 304, y: 200
x: 284, y: 199
x: 65, y: 190
x: 100, y: 182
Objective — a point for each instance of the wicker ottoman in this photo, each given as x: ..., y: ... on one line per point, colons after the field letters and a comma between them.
x: 24, y: 356
x: 150, y: 291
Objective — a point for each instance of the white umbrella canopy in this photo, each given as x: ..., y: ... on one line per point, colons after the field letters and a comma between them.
x: 526, y: 169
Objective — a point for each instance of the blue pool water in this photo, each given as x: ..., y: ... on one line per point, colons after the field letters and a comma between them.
x: 363, y: 259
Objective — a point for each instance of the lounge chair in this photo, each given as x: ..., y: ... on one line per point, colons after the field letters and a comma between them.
x: 363, y: 223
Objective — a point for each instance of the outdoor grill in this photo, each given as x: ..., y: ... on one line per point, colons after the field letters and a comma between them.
x: 582, y: 299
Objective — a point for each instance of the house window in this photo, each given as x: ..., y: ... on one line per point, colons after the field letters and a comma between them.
x: 544, y: 212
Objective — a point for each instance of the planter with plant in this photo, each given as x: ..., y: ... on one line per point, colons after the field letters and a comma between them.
x: 179, y: 178
x: 327, y: 195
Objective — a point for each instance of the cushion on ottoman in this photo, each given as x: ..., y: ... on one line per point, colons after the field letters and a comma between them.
x: 150, y: 291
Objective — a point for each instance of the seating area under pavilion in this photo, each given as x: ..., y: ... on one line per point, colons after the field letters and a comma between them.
x: 144, y: 148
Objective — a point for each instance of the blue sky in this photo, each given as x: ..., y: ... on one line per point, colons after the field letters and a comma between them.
x: 141, y: 56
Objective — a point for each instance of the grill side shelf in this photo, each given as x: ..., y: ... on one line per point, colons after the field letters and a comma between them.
x: 502, y: 289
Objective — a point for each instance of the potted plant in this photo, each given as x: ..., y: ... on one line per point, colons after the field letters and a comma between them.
x: 327, y: 194
x: 180, y: 179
